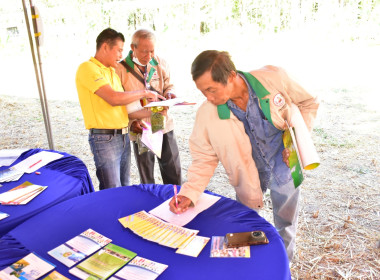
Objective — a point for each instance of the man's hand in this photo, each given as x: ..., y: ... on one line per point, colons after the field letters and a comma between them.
x: 285, y: 156
x: 153, y: 96
x: 137, y: 126
x: 164, y: 111
x: 183, y: 204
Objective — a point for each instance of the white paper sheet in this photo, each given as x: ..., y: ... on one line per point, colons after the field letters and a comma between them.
x: 163, y: 212
x: 152, y: 140
x: 36, y: 161
x: 168, y: 102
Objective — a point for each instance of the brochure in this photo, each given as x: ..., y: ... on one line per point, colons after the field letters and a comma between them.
x: 140, y: 268
x: 21, y: 194
x: 193, y: 246
x: 28, y: 268
x: 103, y: 263
x: 79, y: 247
x: 55, y: 276
x: 219, y: 249
x: 3, y: 215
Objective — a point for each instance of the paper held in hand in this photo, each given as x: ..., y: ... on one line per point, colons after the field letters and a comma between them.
x: 153, y: 141
x: 168, y: 103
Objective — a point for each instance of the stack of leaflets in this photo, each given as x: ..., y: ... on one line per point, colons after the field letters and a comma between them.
x: 30, y: 267
x: 219, y: 249
x: 154, y: 229
x: 103, y: 263
x: 140, y: 268
x: 9, y: 175
x: 79, y: 247
x: 21, y: 194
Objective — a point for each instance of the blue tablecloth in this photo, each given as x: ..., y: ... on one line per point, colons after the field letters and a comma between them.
x: 101, y: 210
x: 66, y: 178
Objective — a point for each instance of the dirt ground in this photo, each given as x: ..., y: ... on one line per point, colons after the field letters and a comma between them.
x: 338, y: 232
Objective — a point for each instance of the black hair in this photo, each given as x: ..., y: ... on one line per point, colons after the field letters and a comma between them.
x: 218, y: 62
x: 108, y: 36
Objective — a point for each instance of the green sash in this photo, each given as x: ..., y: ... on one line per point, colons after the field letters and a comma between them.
x: 152, y: 62
x: 261, y: 92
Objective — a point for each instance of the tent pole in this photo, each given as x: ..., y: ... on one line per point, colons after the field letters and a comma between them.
x: 38, y: 43
x: 42, y: 100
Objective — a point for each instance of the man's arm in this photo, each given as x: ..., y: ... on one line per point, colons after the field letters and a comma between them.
x: 116, y: 98
x: 204, y: 162
x: 306, y: 102
x: 141, y: 114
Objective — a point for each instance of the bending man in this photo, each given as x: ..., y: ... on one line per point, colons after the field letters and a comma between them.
x: 241, y: 125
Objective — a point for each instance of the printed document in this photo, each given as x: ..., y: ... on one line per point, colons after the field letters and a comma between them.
x: 163, y: 212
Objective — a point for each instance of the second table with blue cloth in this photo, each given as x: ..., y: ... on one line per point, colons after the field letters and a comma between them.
x: 101, y: 210
x: 66, y: 178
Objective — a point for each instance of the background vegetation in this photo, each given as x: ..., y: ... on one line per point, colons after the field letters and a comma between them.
x: 303, y: 36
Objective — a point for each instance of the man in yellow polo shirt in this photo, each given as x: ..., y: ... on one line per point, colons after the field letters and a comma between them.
x: 103, y: 101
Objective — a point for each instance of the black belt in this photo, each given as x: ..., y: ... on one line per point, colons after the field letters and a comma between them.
x: 109, y: 131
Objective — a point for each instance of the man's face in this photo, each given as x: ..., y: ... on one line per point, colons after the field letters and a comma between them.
x: 114, y: 54
x: 215, y: 92
x: 144, y: 50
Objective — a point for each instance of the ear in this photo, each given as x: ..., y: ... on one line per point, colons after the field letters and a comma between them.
x: 104, y: 47
x: 232, y: 76
x: 133, y: 47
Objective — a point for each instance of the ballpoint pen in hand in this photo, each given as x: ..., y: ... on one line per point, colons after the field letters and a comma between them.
x: 175, y: 196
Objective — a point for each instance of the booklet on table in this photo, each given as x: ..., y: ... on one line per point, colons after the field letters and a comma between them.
x: 140, y: 268
x: 79, y: 247
x: 103, y: 263
x: 30, y: 267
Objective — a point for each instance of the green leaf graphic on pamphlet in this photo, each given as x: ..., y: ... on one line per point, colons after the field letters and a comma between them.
x: 103, y: 263
x: 294, y: 159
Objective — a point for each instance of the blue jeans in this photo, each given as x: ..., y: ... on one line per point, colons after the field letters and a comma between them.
x: 285, y: 212
x: 112, y: 156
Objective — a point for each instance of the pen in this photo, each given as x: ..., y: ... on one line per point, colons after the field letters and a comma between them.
x: 35, y: 163
x: 175, y: 196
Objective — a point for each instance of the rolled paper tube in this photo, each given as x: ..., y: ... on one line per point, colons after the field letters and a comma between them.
x: 306, y: 148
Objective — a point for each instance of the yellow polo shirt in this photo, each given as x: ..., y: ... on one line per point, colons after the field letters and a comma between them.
x: 97, y: 113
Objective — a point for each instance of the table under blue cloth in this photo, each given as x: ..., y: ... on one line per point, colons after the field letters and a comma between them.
x: 101, y: 210
x: 66, y: 178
